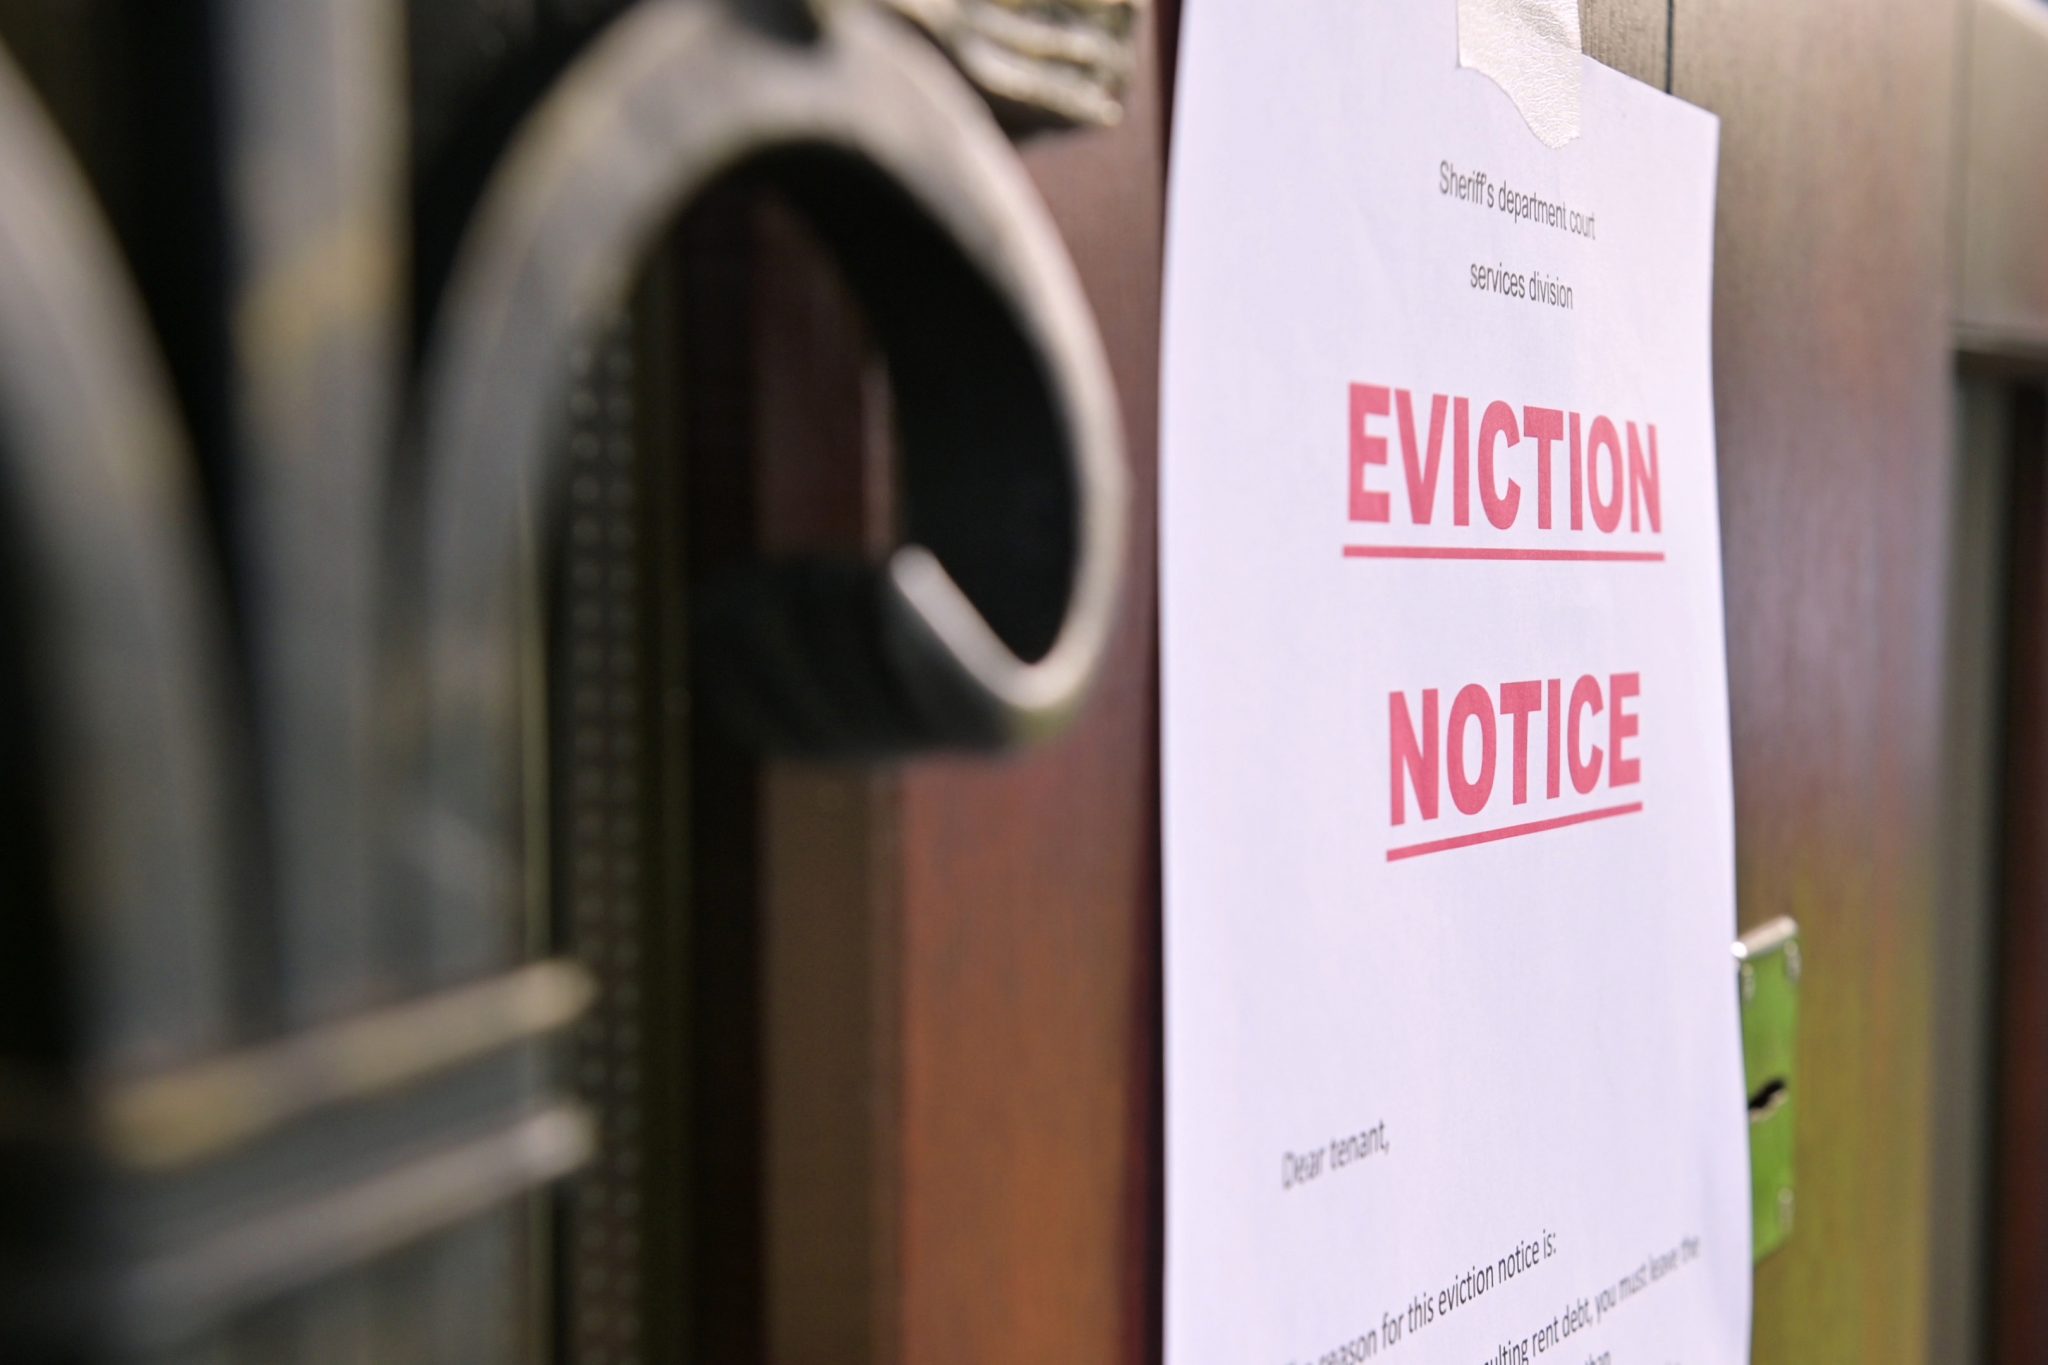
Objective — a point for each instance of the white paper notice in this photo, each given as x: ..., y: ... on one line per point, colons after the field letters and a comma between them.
x: 1453, y: 1061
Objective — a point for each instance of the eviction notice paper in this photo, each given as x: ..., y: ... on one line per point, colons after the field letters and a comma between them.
x: 1453, y: 1063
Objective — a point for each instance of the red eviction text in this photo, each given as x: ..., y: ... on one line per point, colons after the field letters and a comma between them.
x: 1538, y: 740
x: 1523, y: 469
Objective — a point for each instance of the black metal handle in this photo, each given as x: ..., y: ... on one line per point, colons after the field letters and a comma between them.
x: 985, y: 629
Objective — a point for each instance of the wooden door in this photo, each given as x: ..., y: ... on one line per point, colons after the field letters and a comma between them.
x: 954, y: 1148
x: 1029, y: 1202
x: 878, y: 1058
x: 1833, y: 400
x: 924, y: 1057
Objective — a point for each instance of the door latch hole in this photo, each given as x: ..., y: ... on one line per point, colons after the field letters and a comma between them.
x: 1768, y: 1100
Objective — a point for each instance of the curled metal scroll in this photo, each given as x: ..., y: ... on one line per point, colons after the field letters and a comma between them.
x: 986, y: 628
x: 126, y: 640
x: 123, y: 646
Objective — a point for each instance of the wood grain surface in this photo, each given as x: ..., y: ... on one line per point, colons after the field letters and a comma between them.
x: 1632, y: 36
x: 1833, y: 382
x: 1029, y: 923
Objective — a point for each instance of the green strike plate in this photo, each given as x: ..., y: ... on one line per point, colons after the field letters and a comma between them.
x: 1768, y: 967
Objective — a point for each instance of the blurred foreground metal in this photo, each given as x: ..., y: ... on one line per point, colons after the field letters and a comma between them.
x: 284, y: 985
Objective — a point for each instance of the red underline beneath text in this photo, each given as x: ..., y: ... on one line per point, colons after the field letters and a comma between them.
x: 1489, y: 836
x: 1494, y: 553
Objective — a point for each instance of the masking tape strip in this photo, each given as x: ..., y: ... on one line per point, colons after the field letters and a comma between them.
x: 1529, y: 48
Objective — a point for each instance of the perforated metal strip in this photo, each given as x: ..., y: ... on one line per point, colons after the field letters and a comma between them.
x: 601, y: 857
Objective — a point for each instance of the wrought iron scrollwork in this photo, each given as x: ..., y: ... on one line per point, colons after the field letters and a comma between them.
x: 395, y: 1083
